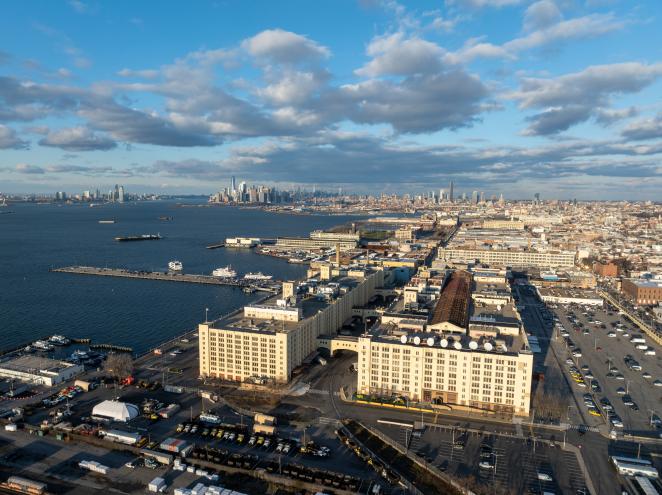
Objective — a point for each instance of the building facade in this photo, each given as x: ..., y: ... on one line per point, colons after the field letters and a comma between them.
x: 271, y: 340
x: 542, y: 259
x: 642, y: 291
x: 465, y: 378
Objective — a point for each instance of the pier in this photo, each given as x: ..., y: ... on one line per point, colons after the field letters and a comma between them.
x: 168, y: 276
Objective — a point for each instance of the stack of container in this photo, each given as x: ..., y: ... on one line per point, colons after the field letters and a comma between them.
x: 94, y: 466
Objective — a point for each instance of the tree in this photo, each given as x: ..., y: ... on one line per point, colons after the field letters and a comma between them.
x: 119, y: 365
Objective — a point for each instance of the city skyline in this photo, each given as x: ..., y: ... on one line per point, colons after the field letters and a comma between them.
x: 497, y: 96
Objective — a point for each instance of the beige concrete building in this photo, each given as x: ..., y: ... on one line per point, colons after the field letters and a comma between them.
x: 515, y: 257
x: 271, y: 339
x: 456, y: 375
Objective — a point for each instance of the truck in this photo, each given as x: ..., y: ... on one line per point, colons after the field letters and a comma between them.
x: 157, y: 485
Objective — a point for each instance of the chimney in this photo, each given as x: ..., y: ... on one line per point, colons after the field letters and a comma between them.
x: 338, y: 254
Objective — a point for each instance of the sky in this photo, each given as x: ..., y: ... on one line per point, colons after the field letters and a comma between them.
x: 560, y: 97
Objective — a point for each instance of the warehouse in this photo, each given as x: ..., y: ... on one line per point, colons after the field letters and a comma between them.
x: 39, y: 370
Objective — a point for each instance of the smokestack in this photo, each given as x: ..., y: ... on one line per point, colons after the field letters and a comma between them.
x: 337, y: 254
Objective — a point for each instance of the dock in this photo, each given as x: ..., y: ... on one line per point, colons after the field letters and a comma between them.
x: 168, y: 276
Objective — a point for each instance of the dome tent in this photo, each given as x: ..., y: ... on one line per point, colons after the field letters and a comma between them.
x: 115, y: 411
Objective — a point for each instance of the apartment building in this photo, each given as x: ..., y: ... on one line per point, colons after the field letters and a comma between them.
x: 271, y: 339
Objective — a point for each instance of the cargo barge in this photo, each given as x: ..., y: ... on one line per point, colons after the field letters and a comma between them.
x: 143, y: 237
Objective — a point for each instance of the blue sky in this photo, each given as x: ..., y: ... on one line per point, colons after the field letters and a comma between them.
x: 512, y: 96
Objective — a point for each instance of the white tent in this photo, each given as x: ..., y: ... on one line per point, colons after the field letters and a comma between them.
x: 115, y: 410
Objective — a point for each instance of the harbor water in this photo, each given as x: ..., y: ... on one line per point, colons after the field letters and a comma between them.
x: 35, y: 302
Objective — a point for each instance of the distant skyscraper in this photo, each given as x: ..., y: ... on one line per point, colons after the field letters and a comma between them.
x: 482, y: 196
x: 474, y: 197
x: 120, y: 194
x: 233, y: 184
x: 450, y: 193
x: 442, y: 193
x: 536, y: 198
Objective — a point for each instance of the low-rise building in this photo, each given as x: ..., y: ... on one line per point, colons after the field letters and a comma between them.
x: 642, y: 291
x: 39, y: 370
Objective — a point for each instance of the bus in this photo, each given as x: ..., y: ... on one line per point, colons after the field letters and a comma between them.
x: 633, y: 466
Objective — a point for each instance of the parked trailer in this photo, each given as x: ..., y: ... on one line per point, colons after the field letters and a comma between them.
x: 25, y: 485
x: 125, y: 437
x: 169, y: 411
x: 646, y: 486
x: 265, y: 429
x: 160, y: 457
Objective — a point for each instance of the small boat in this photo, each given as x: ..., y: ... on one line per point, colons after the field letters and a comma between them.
x: 42, y: 345
x: 107, y: 221
x: 225, y: 272
x: 176, y: 266
x: 165, y: 219
x: 257, y: 276
x: 59, y: 340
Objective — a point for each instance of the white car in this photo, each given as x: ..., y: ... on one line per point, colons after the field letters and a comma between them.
x: 486, y: 465
x: 544, y: 477
x: 657, y: 383
x: 650, y: 352
x: 611, y: 334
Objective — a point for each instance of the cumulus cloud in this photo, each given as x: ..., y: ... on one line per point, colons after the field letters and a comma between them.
x: 77, y: 139
x: 9, y: 139
x: 284, y: 47
x: 448, y: 100
x: 396, y: 54
x: 574, y: 98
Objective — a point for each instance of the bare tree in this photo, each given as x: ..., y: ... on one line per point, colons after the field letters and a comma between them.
x: 119, y: 365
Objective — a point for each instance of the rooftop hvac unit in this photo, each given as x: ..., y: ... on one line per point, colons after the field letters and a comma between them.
x: 503, y: 347
x: 443, y: 343
x: 457, y: 345
x: 488, y: 346
x: 417, y: 340
x: 430, y: 341
x: 403, y: 339
x: 473, y: 345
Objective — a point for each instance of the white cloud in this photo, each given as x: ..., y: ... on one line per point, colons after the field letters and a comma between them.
x: 284, y: 47
x: 77, y: 139
x: 396, y: 54
x: 541, y: 14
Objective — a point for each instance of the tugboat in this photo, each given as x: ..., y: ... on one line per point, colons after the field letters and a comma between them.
x: 176, y: 266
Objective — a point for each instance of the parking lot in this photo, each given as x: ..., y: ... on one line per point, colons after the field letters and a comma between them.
x: 606, y: 367
x: 485, y: 461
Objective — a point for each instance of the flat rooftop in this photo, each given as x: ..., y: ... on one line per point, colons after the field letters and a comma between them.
x: 502, y: 344
x: 309, y: 304
x: 568, y: 292
x: 34, y: 364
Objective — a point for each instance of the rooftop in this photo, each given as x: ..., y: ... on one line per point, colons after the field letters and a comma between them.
x: 453, y: 304
x: 34, y: 364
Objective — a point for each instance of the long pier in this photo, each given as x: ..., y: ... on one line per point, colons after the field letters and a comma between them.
x: 168, y: 276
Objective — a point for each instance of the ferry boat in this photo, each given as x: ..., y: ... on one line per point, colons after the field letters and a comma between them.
x: 42, y: 345
x: 225, y: 272
x: 257, y: 276
x: 176, y: 266
x: 59, y: 340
